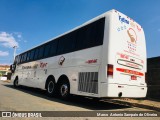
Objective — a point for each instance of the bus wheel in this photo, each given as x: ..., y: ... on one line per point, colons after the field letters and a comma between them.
x: 64, y: 90
x: 15, y: 82
x: 51, y: 88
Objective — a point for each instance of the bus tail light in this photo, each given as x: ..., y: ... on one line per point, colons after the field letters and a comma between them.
x: 110, y: 71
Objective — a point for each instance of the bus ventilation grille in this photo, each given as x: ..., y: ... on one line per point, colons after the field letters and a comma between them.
x: 88, y: 82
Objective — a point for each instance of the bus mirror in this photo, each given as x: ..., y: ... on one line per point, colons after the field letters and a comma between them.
x: 12, y: 68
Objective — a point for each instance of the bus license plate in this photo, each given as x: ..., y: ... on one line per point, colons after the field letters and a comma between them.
x: 133, y: 77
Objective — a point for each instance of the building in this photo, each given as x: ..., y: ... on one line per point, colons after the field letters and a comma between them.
x: 5, y: 72
x: 153, y: 77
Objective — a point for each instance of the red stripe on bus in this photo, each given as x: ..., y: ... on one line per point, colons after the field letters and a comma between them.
x: 130, y: 71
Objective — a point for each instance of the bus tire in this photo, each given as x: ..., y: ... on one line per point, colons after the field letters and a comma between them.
x: 51, y: 87
x: 64, y: 90
x: 15, y: 84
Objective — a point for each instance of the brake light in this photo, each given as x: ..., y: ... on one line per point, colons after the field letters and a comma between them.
x: 110, y: 71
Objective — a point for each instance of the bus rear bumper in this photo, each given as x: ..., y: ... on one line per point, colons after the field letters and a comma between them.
x: 129, y: 91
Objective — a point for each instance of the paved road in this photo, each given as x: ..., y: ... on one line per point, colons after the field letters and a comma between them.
x: 31, y: 99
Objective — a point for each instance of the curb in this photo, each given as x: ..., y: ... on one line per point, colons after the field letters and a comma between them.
x: 134, y: 104
x: 8, y: 81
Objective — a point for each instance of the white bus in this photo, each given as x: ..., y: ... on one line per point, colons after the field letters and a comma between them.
x: 104, y: 57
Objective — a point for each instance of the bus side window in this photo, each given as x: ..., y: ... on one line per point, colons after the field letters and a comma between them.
x: 17, y: 59
x: 53, y: 49
x: 46, y: 50
x: 99, y: 31
x: 91, y: 35
x: 25, y: 57
x: 32, y: 55
x: 69, y: 42
x: 20, y: 60
x: 41, y: 52
x: 28, y: 56
x: 36, y: 54
x: 61, y: 44
x: 66, y: 43
x: 81, y: 38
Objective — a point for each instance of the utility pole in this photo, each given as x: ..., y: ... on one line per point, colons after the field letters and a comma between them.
x: 14, y: 54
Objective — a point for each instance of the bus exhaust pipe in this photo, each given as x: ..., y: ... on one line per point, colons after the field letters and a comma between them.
x: 120, y: 94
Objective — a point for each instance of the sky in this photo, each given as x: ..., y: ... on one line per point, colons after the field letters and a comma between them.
x: 28, y: 23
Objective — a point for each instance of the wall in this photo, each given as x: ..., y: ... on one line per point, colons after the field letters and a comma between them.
x: 153, y: 77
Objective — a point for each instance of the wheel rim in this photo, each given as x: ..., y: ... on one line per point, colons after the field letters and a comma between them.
x: 64, y: 90
x: 50, y: 87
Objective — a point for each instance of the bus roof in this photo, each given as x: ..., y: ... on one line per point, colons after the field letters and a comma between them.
x: 82, y: 25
